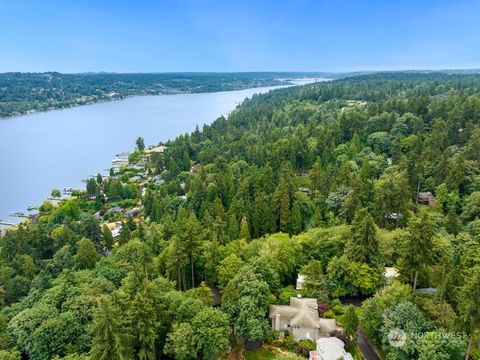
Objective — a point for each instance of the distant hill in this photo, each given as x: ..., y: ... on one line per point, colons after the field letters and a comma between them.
x: 23, y: 93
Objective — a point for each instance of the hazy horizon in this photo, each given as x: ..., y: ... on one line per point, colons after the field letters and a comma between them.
x: 254, y: 71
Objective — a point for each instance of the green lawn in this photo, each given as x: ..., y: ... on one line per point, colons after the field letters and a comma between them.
x: 259, y: 354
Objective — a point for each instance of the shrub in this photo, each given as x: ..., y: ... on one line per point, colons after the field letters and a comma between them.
x: 302, y: 351
x: 286, y: 293
x: 272, y: 335
x: 342, y: 335
x: 338, y: 309
x: 288, y: 343
x: 329, y: 314
x: 322, y: 307
x: 309, y: 344
x: 335, y: 302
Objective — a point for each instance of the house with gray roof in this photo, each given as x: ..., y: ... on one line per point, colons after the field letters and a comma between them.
x: 425, y: 198
x: 300, y: 319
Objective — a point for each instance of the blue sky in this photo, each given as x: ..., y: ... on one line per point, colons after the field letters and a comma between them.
x: 243, y: 35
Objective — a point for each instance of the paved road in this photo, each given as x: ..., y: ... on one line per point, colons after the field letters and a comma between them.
x: 365, y: 347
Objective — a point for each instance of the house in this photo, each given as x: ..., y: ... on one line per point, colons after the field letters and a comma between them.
x: 305, y: 191
x: 156, y: 149
x: 98, y: 215
x: 300, y: 319
x: 121, y: 159
x: 157, y: 179
x: 136, y: 178
x: 115, y: 228
x: 132, y: 212
x: 425, y: 198
x: 330, y: 348
x: 195, y: 167
x: 4, y: 226
x: 394, y: 216
x: 114, y: 210
x: 139, y: 166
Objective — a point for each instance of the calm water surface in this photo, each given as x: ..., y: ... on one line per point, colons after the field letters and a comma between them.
x: 50, y: 150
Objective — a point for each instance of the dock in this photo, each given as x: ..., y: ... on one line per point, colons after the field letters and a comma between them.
x: 19, y: 214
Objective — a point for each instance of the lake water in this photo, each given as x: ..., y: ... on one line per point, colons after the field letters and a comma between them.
x: 56, y: 149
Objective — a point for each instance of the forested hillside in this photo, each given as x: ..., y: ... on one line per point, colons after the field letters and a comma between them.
x: 333, y: 180
x: 22, y: 93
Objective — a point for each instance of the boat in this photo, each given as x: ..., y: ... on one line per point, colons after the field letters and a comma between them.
x: 32, y: 207
x: 17, y: 214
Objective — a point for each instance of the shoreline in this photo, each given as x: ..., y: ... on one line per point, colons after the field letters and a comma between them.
x: 303, y: 81
x: 288, y: 82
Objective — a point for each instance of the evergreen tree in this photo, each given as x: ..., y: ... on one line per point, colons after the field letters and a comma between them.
x: 91, y: 229
x: 317, y: 176
x: 189, y: 235
x: 86, y: 256
x: 233, y: 229
x: 297, y: 220
x: 468, y: 304
x: 419, y: 247
x: 143, y: 317
x: 281, y: 203
x: 92, y: 187
x: 363, y: 244
x: 107, y: 237
x: 140, y: 143
x: 392, y: 198
x: 110, y: 340
x: 125, y: 234
x: 244, y: 229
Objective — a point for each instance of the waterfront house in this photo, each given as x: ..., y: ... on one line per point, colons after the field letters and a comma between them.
x: 136, y: 178
x: 132, y: 212
x: 115, y: 228
x: 157, y: 179
x: 98, y: 215
x: 156, y: 149
x: 114, y: 210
